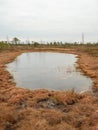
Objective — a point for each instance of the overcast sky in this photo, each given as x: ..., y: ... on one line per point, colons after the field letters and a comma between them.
x: 48, y: 20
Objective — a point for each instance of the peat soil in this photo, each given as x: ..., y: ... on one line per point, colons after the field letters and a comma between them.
x: 23, y: 109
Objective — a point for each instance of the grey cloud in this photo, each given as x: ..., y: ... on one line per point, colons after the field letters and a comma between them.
x: 57, y: 19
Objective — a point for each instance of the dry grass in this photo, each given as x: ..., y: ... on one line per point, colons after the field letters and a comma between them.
x: 22, y: 109
x: 48, y: 110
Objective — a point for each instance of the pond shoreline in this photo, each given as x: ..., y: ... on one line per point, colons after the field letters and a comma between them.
x: 19, y: 106
x: 82, y: 63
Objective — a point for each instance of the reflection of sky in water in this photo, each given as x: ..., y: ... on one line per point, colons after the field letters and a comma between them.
x: 48, y: 70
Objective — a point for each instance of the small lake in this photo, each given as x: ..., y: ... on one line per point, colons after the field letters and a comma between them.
x: 49, y: 70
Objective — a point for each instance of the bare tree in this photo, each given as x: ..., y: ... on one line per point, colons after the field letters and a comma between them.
x: 16, y: 40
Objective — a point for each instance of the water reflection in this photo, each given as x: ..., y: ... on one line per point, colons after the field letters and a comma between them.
x: 48, y: 70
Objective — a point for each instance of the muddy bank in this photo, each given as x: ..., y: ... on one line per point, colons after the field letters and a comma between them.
x: 22, y: 109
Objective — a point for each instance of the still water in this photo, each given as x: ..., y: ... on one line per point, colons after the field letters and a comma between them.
x: 53, y: 71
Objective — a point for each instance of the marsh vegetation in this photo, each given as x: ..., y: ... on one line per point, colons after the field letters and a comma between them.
x: 23, y: 109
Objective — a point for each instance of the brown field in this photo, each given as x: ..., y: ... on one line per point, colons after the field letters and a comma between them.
x: 22, y: 109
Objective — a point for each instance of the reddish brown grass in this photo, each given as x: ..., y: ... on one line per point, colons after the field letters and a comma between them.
x: 22, y: 109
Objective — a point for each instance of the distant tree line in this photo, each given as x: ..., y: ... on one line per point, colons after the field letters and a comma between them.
x: 17, y: 43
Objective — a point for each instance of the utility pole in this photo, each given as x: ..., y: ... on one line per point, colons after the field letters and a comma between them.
x: 83, y: 38
x: 7, y: 40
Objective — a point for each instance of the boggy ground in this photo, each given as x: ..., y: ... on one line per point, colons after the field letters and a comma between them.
x: 22, y: 109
